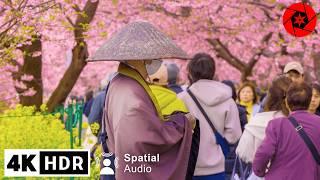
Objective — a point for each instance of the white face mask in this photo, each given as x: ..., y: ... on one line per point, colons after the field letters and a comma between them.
x: 150, y: 68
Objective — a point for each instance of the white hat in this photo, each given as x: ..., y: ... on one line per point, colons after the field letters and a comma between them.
x: 294, y: 65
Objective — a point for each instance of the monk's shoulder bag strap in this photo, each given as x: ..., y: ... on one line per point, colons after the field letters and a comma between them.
x: 306, y: 139
x: 219, y: 138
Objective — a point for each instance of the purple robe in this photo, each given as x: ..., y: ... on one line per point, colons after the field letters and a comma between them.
x: 134, y: 128
x: 289, y: 155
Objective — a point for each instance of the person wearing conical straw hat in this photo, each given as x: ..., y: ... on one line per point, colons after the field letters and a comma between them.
x: 145, y: 144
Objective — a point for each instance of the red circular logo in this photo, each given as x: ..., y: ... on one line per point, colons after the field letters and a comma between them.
x: 299, y: 19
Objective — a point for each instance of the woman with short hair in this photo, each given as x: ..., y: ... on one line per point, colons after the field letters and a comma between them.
x: 283, y: 154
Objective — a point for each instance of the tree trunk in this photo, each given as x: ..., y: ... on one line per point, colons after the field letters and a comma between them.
x: 69, y: 78
x: 247, y: 72
x: 79, y: 55
x: 244, y: 75
x: 32, y: 66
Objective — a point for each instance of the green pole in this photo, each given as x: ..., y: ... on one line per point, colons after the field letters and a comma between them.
x: 80, y: 112
x: 69, y: 123
x: 69, y: 111
x: 61, y: 110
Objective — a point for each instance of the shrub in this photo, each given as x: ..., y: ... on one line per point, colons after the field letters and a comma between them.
x: 24, y: 128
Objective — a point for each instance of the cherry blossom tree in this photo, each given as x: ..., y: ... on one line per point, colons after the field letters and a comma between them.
x: 44, y: 46
x: 28, y: 76
x: 246, y: 35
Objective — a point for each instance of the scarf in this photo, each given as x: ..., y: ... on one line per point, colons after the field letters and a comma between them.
x: 134, y: 74
x: 249, y: 108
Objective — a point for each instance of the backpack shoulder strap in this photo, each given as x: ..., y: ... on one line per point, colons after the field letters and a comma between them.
x: 306, y: 139
x: 202, y: 110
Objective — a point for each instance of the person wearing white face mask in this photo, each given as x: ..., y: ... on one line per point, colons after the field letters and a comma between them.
x: 132, y: 116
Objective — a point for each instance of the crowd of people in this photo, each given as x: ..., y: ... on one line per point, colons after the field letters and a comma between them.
x: 143, y: 109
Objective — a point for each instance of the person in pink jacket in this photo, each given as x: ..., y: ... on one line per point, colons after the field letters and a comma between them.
x: 216, y: 100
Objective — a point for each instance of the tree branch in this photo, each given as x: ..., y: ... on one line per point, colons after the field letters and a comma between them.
x: 76, y: 8
x: 184, y: 10
x: 70, y: 21
x: 219, y: 9
x: 4, y: 32
x: 255, y: 58
x: 265, y: 40
x: 265, y: 8
x: 223, y: 52
x: 82, y: 19
x: 261, y: 5
x: 43, y: 4
x: 245, y: 68
x: 306, y: 1
x: 267, y: 14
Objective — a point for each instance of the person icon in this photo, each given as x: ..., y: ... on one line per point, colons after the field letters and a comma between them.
x: 107, y: 170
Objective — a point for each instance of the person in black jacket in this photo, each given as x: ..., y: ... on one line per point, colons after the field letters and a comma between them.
x: 241, y: 109
x: 230, y: 160
x: 88, y: 103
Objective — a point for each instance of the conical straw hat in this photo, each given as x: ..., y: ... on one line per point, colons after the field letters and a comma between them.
x: 138, y: 41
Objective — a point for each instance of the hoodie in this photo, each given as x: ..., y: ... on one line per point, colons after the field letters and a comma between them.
x: 216, y: 99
